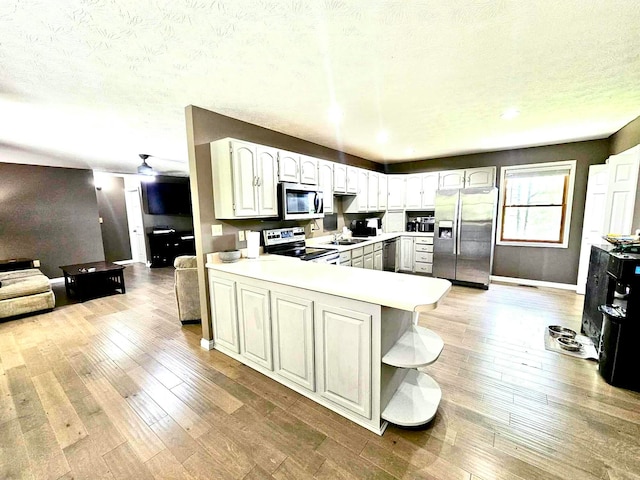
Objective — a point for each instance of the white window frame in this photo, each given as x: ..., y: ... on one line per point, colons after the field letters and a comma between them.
x: 571, y: 164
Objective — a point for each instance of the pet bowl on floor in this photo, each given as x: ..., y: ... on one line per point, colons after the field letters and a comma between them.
x: 569, y: 344
x: 557, y: 331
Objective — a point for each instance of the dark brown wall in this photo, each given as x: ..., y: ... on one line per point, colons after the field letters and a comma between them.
x: 113, y: 212
x: 50, y: 214
x: 558, y: 265
x: 625, y: 138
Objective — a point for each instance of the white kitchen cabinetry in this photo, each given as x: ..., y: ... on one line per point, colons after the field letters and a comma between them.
x: 406, y: 254
x: 357, y: 257
x: 469, y: 178
x: 480, y: 177
x: 362, y: 198
x: 367, y: 261
x: 377, y: 257
x: 382, y: 192
x: 352, y: 180
x: 288, y: 167
x: 373, y: 188
x: 339, y: 178
x: 308, y: 170
x: 413, y: 192
x: 343, y: 347
x: 293, y: 345
x: 223, y: 313
x: 423, y: 255
x: 244, y: 179
x: 254, y: 320
x: 396, y: 187
x: 451, y: 179
x: 325, y: 181
x: 429, y: 188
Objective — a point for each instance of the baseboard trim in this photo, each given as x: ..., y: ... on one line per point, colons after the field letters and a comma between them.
x: 206, y: 344
x: 56, y: 280
x: 534, y: 283
x: 124, y: 262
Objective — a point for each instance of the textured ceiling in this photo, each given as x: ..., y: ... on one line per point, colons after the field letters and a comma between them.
x: 95, y: 82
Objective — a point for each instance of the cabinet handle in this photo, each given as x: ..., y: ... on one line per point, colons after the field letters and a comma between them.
x: 259, y: 182
x: 255, y: 181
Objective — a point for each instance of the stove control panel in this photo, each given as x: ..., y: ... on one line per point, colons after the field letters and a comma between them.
x: 280, y: 236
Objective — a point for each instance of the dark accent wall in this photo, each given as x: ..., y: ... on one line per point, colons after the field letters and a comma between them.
x: 113, y: 212
x: 625, y: 138
x: 558, y: 265
x: 50, y: 214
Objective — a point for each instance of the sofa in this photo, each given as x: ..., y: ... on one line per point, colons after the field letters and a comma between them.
x: 24, y: 291
x: 187, y: 291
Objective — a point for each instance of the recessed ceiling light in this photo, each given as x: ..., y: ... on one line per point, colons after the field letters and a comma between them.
x: 510, y: 113
x: 335, y: 113
x: 382, y: 136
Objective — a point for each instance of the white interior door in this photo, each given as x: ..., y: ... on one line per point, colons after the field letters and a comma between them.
x: 621, y: 193
x: 594, y: 219
x: 133, y: 202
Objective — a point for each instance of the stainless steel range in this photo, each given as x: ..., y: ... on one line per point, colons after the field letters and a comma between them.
x: 291, y: 242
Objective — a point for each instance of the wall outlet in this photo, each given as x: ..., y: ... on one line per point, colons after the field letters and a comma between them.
x: 100, y: 220
x: 216, y: 230
x: 241, y: 235
x: 36, y: 263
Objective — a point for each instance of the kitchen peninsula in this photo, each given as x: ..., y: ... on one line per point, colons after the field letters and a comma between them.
x: 346, y: 338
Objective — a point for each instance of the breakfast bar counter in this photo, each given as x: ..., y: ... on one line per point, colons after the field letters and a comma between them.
x: 346, y: 338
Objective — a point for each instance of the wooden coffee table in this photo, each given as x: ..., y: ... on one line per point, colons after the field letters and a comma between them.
x: 91, y: 280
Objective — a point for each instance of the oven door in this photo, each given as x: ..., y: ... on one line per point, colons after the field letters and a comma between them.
x: 300, y: 202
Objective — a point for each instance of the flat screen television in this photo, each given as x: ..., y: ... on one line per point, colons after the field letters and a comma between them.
x: 167, y: 196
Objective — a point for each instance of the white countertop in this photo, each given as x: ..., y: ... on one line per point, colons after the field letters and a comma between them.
x: 395, y: 290
x: 323, y: 242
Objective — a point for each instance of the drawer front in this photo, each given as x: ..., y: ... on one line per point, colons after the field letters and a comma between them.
x: 424, y: 257
x: 421, y: 247
x: 345, y: 257
x: 377, y: 246
x: 356, y: 252
x: 423, y: 267
x: 368, y: 249
x: 346, y: 263
x: 424, y: 240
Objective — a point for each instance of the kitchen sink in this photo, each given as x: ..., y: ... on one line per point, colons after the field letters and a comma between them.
x: 353, y: 241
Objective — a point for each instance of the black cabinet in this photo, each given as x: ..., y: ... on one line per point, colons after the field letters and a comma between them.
x: 166, y: 246
x: 597, y: 293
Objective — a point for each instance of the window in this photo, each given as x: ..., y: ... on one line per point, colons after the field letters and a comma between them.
x: 535, y: 204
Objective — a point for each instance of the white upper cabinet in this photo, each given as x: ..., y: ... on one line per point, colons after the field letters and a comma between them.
x: 373, y: 191
x: 288, y: 167
x: 429, y: 189
x: 395, y: 186
x: 325, y: 180
x: 363, y: 190
x: 469, y: 178
x: 382, y: 191
x: 352, y: 180
x: 244, y: 179
x: 480, y: 177
x: 267, y: 182
x: 413, y: 192
x: 451, y: 179
x: 339, y: 178
x: 308, y: 170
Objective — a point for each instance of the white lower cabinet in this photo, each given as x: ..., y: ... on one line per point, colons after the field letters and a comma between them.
x: 293, y: 354
x: 353, y: 357
x: 406, y: 254
x: 254, y: 320
x: 343, y: 343
x: 223, y: 312
x: 368, y: 261
x: 377, y: 260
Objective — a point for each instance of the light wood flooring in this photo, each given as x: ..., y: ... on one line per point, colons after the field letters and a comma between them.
x: 115, y: 388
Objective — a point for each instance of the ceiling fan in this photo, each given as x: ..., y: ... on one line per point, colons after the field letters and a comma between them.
x: 145, y: 168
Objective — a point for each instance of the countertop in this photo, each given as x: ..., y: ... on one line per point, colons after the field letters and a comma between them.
x: 395, y: 290
x: 323, y: 242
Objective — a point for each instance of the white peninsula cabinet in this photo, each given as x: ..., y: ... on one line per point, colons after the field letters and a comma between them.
x: 348, y: 342
x: 244, y: 179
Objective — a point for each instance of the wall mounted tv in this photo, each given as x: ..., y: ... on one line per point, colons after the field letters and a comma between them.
x: 167, y: 196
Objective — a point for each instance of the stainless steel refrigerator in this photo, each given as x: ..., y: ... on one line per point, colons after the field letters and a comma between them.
x: 465, y: 225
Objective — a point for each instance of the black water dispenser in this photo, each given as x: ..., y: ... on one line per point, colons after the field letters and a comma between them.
x: 619, y: 350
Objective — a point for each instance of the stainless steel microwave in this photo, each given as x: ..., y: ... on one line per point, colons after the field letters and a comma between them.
x: 300, y: 202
